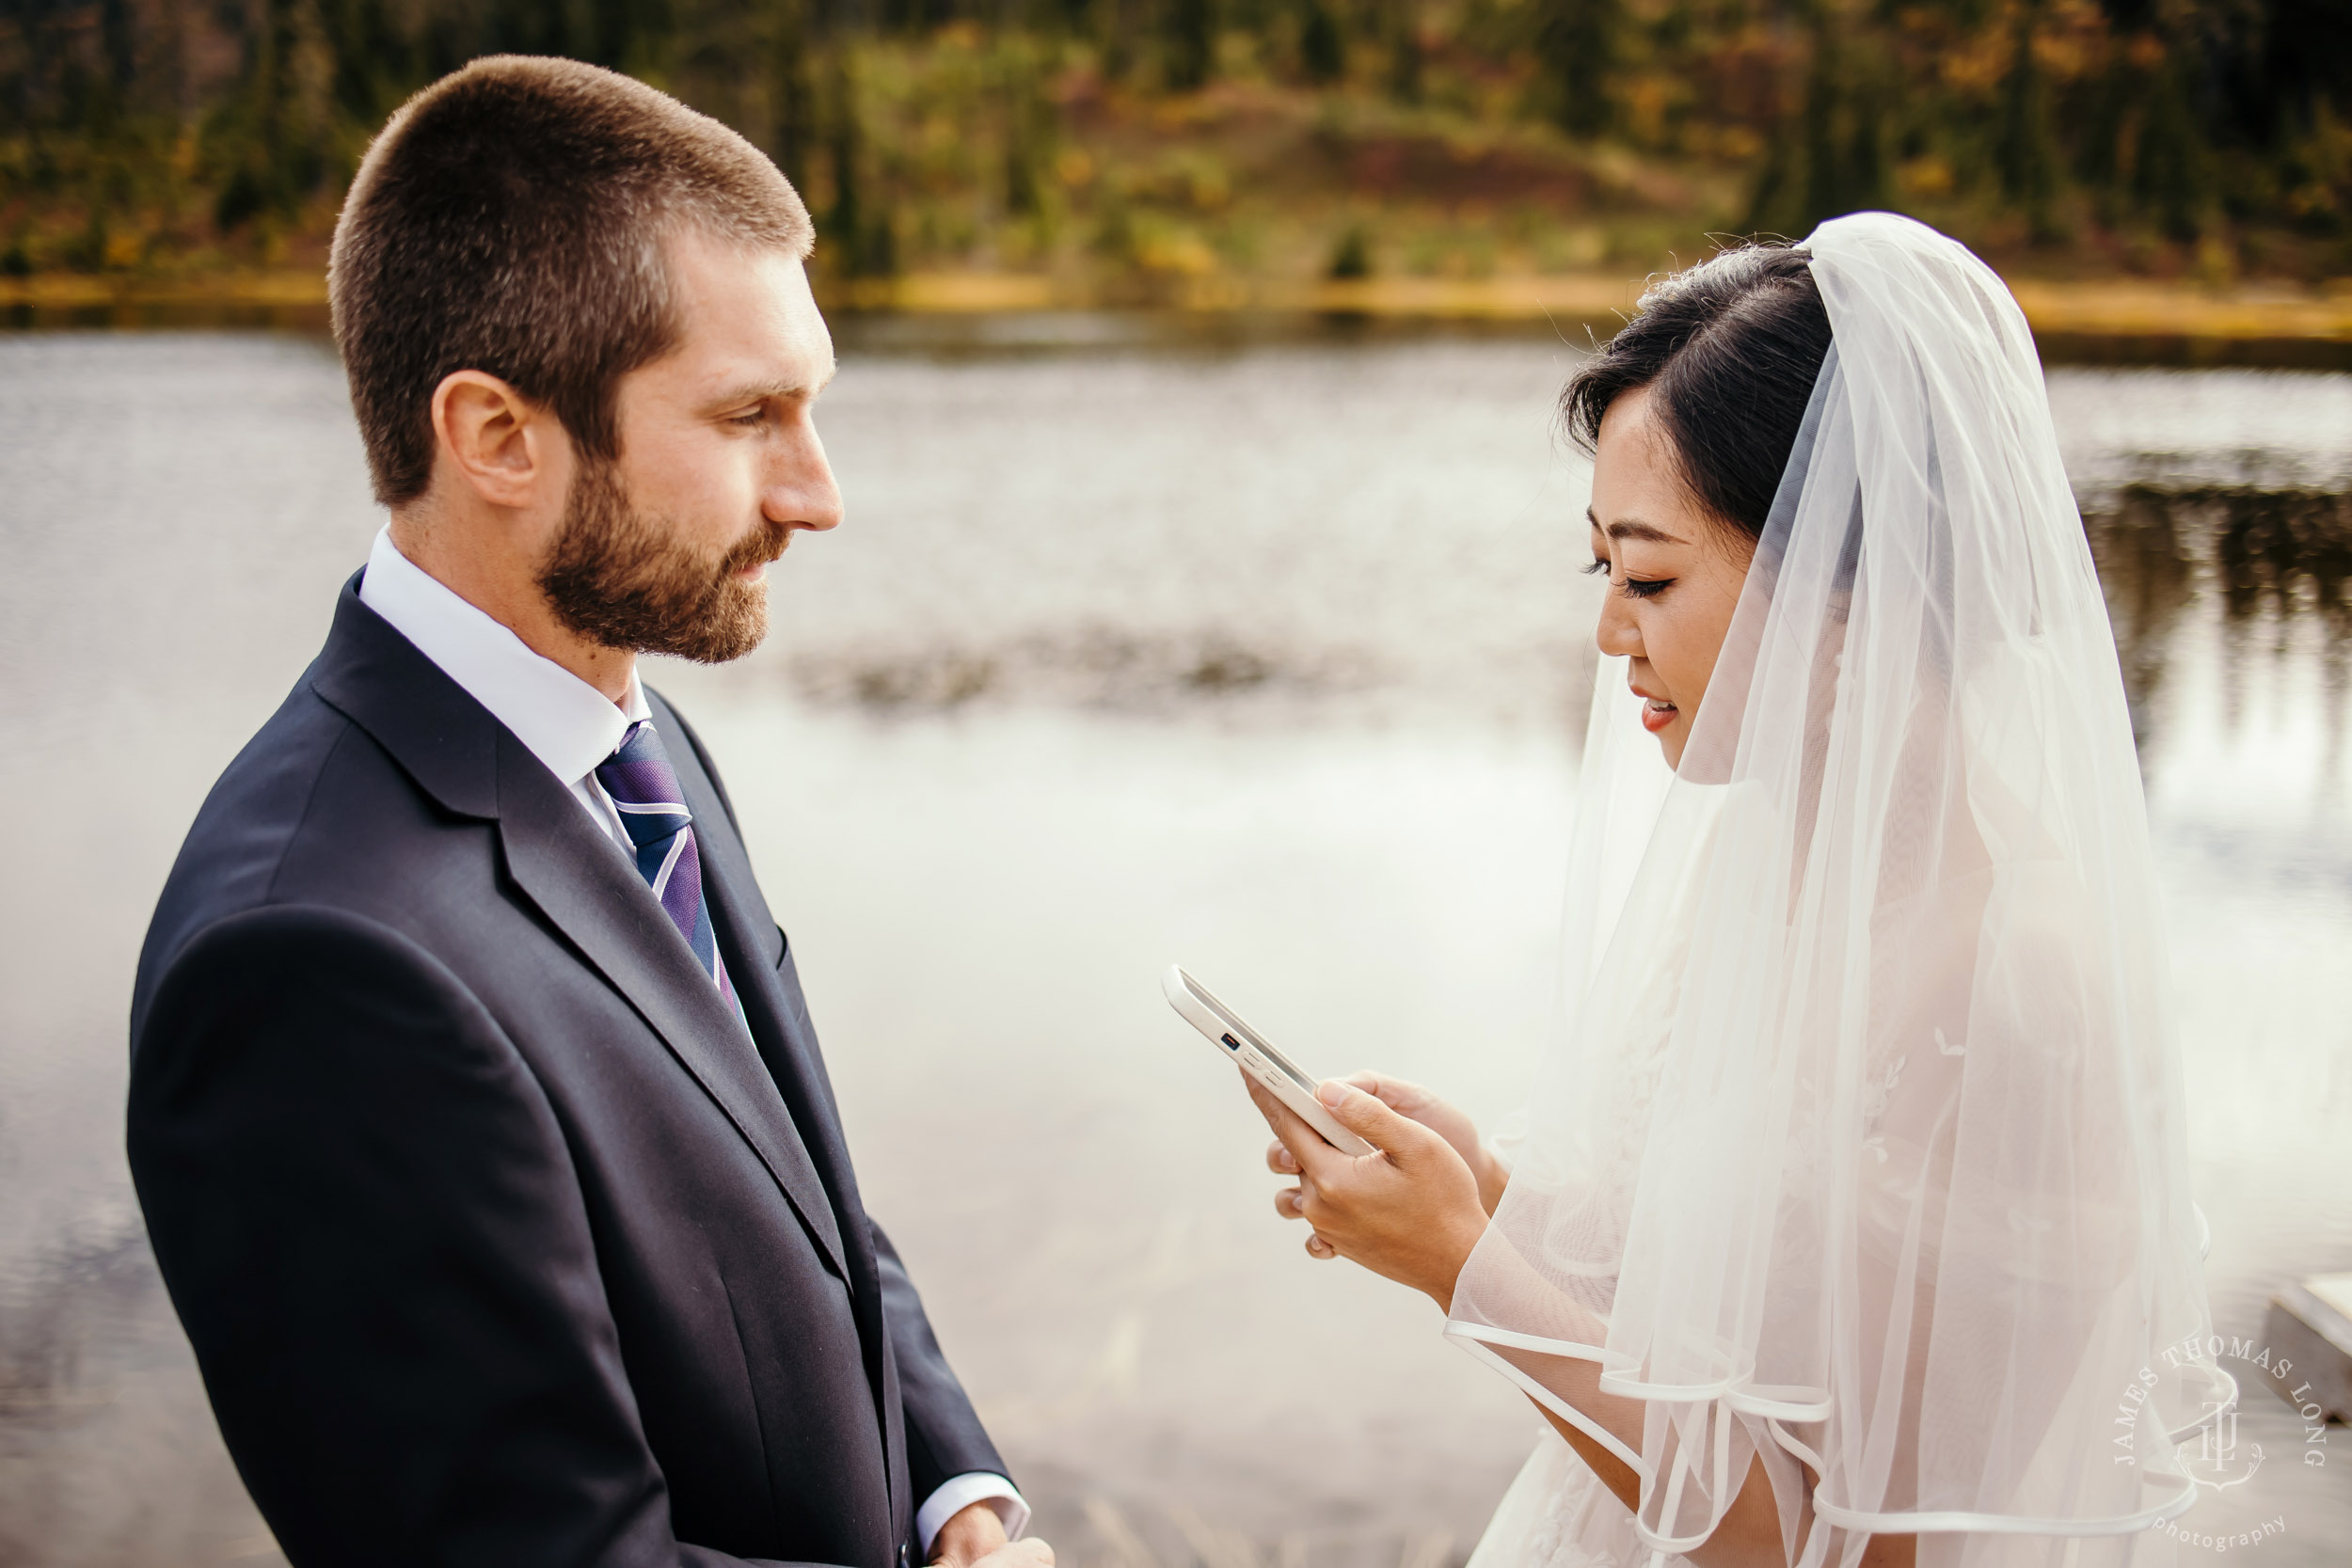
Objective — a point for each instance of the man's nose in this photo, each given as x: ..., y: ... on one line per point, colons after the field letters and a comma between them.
x: 804, y: 494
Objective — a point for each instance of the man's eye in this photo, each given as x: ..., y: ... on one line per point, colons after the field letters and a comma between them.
x: 749, y: 418
x: 1638, y: 587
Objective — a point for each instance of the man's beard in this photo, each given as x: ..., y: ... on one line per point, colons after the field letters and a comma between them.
x: 620, y: 577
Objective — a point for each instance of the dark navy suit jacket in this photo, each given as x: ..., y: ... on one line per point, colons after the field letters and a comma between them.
x: 498, y: 1240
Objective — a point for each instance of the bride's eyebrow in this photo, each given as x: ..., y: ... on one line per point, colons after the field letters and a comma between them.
x: 1633, y: 527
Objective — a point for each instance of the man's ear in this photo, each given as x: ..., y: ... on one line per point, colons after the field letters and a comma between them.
x: 500, y: 442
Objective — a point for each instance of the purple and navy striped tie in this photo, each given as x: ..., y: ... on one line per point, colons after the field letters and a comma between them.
x: 645, y: 787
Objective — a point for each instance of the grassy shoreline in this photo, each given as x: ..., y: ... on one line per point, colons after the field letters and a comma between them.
x: 2097, y: 319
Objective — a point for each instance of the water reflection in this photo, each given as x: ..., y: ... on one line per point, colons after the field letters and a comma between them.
x: 2276, y: 561
x: 47, y: 1333
x: 1265, y: 658
x: 106, y: 1451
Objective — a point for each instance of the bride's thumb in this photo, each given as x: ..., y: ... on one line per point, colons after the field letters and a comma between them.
x: 1362, y: 1114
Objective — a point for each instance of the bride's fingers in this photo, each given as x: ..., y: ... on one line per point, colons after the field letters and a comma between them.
x: 1278, y: 1159
x: 1320, y: 1249
x: 1395, y: 1093
x: 1293, y: 1132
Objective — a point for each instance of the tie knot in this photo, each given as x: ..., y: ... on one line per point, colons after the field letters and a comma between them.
x: 644, y: 787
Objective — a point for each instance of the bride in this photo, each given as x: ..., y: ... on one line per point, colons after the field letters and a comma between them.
x: 1849, y: 1222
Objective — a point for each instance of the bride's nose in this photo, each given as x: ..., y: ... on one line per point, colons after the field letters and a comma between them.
x: 1617, y: 635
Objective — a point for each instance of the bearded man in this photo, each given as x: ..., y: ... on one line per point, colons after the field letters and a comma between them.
x: 475, y: 1111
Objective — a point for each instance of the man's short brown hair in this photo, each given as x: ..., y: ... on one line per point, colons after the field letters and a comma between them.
x: 510, y: 219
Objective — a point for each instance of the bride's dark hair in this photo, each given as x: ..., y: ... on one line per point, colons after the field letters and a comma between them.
x: 1730, y: 349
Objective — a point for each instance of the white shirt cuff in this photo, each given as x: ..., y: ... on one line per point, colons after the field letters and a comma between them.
x: 961, y: 1492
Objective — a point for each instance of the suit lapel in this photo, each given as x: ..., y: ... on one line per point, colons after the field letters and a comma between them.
x: 472, y: 765
x: 753, y: 948
x: 584, y: 885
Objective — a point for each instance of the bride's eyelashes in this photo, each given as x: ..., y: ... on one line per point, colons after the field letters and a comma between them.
x: 1633, y: 588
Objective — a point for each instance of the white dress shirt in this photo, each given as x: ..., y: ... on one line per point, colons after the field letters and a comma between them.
x: 570, y: 726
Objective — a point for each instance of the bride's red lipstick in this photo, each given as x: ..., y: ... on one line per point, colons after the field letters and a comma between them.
x: 1657, y: 713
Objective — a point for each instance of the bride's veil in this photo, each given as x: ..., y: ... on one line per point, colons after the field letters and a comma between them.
x: 1860, y: 1147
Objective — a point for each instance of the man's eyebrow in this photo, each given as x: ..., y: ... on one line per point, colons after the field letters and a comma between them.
x: 1633, y: 527
x: 760, y: 391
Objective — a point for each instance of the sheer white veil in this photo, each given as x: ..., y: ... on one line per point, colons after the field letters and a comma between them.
x: 1860, y: 1147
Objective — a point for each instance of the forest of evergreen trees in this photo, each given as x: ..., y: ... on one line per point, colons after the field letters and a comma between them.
x: 2207, y: 137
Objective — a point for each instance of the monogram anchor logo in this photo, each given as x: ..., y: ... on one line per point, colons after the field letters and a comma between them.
x: 2217, y: 1461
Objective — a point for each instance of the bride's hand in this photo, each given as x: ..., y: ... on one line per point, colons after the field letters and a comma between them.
x: 1409, y: 1209
x: 1422, y: 1106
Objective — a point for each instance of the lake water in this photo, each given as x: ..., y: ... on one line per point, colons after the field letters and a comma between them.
x: 1270, y: 660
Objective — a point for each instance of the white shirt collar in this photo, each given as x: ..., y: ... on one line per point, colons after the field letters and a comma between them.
x: 562, y: 720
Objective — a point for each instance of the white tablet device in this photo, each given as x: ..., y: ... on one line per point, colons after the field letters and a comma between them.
x: 1230, y: 1035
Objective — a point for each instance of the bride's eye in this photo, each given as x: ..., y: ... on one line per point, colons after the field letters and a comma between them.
x: 1596, y: 569
x: 1640, y: 588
